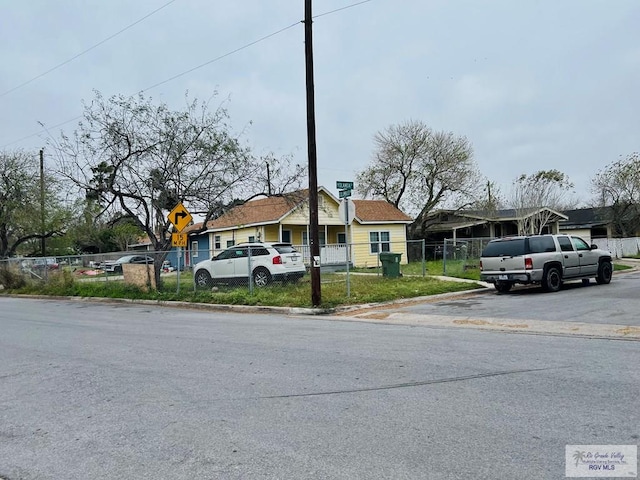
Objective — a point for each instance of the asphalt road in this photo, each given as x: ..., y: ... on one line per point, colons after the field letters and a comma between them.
x: 95, y: 391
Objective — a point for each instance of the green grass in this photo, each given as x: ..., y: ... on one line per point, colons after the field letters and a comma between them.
x: 363, y: 289
x: 372, y: 288
x: 454, y: 268
x: 618, y: 266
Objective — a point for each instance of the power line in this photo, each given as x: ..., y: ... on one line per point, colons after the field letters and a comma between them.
x: 339, y: 9
x: 87, y: 50
x: 220, y: 57
x: 179, y: 74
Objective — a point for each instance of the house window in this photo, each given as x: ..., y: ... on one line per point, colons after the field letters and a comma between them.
x: 321, y: 238
x: 216, y: 242
x: 286, y: 236
x: 194, y: 249
x: 379, y: 242
x: 230, y: 243
x: 342, y: 238
x: 252, y: 239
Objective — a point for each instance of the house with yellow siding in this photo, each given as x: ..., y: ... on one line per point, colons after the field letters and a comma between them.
x: 377, y: 227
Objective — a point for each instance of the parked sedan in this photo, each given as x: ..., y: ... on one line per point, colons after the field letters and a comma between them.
x: 116, y: 266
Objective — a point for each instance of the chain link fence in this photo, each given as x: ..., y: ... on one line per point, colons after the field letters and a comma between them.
x: 461, y: 255
x: 228, y: 270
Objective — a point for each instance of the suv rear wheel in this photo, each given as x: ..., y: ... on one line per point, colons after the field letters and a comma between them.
x: 604, y: 272
x: 552, y: 279
x: 503, y: 287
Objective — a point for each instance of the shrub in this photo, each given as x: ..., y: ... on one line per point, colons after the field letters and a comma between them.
x: 11, y: 278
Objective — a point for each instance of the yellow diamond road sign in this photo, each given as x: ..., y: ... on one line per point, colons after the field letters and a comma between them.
x: 180, y: 217
x: 178, y: 239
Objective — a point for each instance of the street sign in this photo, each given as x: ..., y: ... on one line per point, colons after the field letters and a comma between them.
x: 344, y: 193
x: 180, y: 217
x: 179, y: 239
x: 344, y: 185
x: 346, y: 211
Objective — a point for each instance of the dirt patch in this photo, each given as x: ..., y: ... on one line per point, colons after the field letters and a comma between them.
x: 485, y: 322
x: 629, y: 331
x: 376, y: 316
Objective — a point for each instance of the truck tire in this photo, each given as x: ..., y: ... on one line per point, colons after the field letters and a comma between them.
x: 552, y: 279
x: 605, y: 271
x: 503, y: 287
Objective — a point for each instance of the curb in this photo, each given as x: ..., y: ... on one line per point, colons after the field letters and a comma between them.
x: 257, y: 308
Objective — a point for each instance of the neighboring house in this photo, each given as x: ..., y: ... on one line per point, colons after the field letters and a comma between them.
x: 453, y: 224
x: 588, y: 223
x: 378, y: 226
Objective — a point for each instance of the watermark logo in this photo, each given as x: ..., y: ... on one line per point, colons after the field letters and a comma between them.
x: 601, y: 461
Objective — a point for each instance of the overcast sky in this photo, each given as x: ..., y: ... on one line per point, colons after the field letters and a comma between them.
x: 533, y: 85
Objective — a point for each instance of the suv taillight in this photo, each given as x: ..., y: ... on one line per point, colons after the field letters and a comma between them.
x: 528, y: 263
x: 277, y: 260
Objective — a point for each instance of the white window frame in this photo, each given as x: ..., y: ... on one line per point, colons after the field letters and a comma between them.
x: 217, y: 242
x: 379, y: 244
x: 194, y: 249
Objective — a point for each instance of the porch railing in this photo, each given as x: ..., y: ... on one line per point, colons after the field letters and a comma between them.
x: 330, y: 254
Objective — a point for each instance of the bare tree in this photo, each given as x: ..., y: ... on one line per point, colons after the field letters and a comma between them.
x: 417, y: 170
x: 533, y: 194
x: 132, y: 156
x: 618, y: 186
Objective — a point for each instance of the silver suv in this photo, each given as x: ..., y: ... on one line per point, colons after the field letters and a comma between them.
x: 267, y: 262
x: 547, y: 260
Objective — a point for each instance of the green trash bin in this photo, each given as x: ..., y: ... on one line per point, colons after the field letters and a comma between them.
x: 390, y: 264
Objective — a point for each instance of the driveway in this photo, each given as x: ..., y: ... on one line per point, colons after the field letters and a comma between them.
x: 608, y: 311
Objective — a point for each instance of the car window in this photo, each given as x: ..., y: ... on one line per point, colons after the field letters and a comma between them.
x: 284, y: 248
x: 259, y: 251
x: 239, y: 252
x: 565, y: 244
x: 541, y: 244
x: 225, y: 255
x: 580, y: 244
x: 505, y: 248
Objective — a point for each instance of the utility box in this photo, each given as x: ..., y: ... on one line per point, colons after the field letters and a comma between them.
x: 390, y: 264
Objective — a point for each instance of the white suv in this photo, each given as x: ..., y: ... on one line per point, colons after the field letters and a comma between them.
x: 269, y: 262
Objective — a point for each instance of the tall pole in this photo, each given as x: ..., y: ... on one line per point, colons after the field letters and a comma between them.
x: 311, y: 149
x: 42, y: 217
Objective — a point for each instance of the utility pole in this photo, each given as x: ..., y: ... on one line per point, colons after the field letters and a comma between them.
x: 268, y: 180
x: 313, y: 162
x: 42, y: 216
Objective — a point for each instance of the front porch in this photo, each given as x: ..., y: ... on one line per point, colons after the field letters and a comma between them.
x: 330, y: 255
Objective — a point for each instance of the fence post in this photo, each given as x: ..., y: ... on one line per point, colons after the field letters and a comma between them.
x: 444, y: 257
x: 424, y: 258
x: 250, y: 273
x: 179, y: 254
